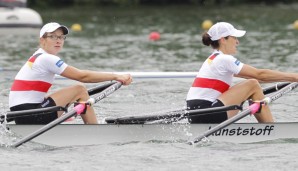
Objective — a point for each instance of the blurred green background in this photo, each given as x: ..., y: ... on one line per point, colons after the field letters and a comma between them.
x: 63, y: 3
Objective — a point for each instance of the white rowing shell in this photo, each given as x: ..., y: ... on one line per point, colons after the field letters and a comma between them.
x: 80, y: 134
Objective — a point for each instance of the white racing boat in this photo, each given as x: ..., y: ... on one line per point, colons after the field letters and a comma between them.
x: 153, y: 127
x: 80, y: 134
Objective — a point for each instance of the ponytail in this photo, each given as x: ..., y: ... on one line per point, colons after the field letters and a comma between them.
x: 206, y: 39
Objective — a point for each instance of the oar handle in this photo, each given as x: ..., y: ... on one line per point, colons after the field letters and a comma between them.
x: 99, y: 88
x: 80, y: 108
x: 105, y: 92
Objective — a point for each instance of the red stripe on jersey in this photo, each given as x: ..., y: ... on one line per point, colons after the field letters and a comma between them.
x: 24, y: 85
x: 211, y: 83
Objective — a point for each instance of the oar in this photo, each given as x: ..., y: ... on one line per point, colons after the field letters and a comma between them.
x: 274, y: 88
x: 177, y: 114
x: 136, y: 75
x: 252, y: 109
x: 10, y: 116
x: 99, y: 88
x: 77, y: 110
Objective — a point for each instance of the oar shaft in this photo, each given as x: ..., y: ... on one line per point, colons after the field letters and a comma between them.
x: 99, y: 88
x: 178, y: 114
x: 45, y: 128
x: 274, y: 88
x: 106, y: 92
x: 15, y: 114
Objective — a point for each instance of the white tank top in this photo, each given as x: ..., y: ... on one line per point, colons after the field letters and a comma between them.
x: 35, y: 78
x: 215, y: 77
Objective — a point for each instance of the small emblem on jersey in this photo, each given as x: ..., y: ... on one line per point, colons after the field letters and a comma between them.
x: 32, y: 59
x: 59, y: 63
x: 211, y: 58
x: 237, y: 62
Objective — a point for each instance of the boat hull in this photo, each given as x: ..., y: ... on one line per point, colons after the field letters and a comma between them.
x: 19, y: 18
x: 79, y: 134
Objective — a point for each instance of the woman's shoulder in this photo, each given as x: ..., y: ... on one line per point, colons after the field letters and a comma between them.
x: 40, y: 52
x: 225, y: 57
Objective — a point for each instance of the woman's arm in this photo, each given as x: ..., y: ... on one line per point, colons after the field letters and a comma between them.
x: 88, y: 76
x: 266, y: 75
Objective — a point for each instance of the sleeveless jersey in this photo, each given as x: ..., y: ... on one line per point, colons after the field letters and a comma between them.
x: 35, y: 78
x: 215, y: 77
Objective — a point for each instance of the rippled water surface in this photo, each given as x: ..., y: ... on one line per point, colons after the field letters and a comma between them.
x: 116, y: 39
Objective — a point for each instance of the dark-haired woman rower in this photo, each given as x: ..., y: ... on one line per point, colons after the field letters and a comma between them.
x: 212, y: 85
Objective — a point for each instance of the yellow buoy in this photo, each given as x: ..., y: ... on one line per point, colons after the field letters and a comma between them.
x: 296, y: 25
x: 206, y: 24
x: 76, y: 27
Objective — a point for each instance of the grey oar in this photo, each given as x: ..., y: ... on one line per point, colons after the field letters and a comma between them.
x: 10, y: 116
x: 252, y: 109
x: 99, y: 88
x: 174, y: 115
x: 274, y: 88
x: 77, y: 110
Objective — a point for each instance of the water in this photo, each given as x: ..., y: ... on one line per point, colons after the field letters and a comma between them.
x: 116, y: 39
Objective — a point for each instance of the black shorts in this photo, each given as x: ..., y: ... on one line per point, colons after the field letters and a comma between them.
x: 36, y: 119
x: 208, y: 118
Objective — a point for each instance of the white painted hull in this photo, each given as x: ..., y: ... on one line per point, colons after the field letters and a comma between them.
x: 79, y: 134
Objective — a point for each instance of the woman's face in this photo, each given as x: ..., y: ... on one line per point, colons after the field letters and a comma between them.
x: 53, y: 42
x: 229, y: 45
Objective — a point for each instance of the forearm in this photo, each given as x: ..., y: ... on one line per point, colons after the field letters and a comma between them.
x: 266, y: 75
x: 87, y: 76
x: 94, y: 77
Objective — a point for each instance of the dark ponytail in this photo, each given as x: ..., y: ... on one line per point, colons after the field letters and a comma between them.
x: 206, y: 39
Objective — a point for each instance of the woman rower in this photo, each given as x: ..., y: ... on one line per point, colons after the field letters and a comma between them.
x: 30, y: 87
x: 212, y: 85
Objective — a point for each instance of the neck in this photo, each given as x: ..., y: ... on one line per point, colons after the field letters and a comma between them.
x: 223, y: 50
